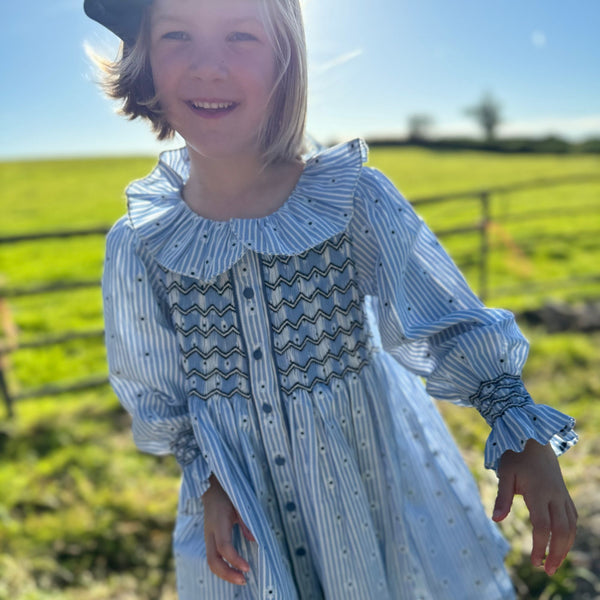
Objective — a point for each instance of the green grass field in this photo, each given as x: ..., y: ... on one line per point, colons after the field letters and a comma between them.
x: 84, y: 515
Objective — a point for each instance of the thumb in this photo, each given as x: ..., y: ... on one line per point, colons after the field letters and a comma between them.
x: 504, y: 499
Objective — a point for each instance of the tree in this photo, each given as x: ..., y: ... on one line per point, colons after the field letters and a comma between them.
x: 418, y: 126
x: 487, y: 114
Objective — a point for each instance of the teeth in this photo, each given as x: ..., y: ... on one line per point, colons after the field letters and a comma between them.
x: 212, y: 105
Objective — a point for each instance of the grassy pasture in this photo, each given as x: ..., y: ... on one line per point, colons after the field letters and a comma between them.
x: 84, y: 515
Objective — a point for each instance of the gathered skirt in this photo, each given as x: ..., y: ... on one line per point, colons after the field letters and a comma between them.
x: 382, y: 507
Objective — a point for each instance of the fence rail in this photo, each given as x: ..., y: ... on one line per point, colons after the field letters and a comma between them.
x: 53, y: 235
x: 480, y: 260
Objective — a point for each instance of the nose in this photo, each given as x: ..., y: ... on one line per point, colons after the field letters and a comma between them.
x: 208, y: 62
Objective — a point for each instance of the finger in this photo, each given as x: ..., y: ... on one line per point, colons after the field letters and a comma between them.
x: 226, y: 550
x: 560, y: 536
x: 504, y: 499
x: 218, y: 566
x: 222, y: 556
x: 223, y: 530
x: 540, y: 521
x: 572, y: 514
x: 247, y: 533
x: 223, y: 570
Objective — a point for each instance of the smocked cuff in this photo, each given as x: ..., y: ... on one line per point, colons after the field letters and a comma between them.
x: 515, y: 418
x: 494, y: 398
x: 195, y: 470
x: 193, y: 485
x: 185, y: 447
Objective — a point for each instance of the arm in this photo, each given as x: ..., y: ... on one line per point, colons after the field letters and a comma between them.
x: 434, y: 325
x: 144, y: 364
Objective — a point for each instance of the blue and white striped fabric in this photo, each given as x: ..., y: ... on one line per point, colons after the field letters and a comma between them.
x: 244, y: 348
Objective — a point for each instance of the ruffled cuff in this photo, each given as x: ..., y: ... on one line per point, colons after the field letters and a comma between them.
x: 515, y: 418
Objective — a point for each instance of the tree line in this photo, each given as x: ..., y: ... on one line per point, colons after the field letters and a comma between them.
x: 487, y: 113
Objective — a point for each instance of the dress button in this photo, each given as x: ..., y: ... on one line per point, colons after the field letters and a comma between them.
x: 257, y: 354
x: 267, y: 408
x: 248, y: 293
x: 290, y: 507
x: 300, y: 551
x: 279, y: 461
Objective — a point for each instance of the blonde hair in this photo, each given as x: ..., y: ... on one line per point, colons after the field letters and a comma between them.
x: 281, y: 135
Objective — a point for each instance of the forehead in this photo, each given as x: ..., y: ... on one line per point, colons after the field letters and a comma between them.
x: 208, y: 9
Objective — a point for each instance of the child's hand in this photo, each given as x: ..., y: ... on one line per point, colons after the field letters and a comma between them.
x: 535, y: 475
x: 219, y: 518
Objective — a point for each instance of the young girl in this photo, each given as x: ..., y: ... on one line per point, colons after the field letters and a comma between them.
x: 314, y: 463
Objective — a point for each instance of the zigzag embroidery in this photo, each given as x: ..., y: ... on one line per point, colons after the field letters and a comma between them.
x: 196, y: 287
x: 195, y: 329
x: 320, y: 314
x: 318, y: 292
x: 270, y: 261
x: 317, y: 341
x: 308, y: 276
x: 216, y: 373
x: 329, y: 355
x: 213, y: 329
x: 206, y: 397
x: 196, y: 308
x: 214, y: 350
x: 326, y: 380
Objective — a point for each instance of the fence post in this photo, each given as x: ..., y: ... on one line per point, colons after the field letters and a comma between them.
x: 485, y: 246
x: 8, y: 333
x: 5, y: 393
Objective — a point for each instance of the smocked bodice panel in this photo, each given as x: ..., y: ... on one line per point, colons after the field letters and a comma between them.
x: 315, y: 313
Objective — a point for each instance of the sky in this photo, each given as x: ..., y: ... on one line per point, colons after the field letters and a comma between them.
x: 372, y: 64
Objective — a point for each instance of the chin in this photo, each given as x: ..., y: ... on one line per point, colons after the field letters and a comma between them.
x: 221, y: 149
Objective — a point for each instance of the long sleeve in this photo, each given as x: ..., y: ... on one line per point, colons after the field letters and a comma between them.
x: 143, y: 358
x: 435, y: 326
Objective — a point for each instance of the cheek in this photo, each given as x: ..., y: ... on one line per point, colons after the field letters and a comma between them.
x: 162, y: 74
x: 265, y: 75
x: 157, y: 78
x: 271, y: 70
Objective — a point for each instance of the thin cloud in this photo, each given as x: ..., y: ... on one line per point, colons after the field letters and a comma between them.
x: 338, y: 60
x: 538, y: 39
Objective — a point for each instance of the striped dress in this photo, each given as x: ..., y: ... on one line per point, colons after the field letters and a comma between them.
x: 245, y: 348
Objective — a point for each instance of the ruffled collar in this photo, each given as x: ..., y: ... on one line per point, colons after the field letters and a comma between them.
x: 319, y: 207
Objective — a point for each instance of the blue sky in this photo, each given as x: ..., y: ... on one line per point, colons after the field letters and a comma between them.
x: 372, y: 64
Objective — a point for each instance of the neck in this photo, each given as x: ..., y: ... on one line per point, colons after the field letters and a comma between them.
x: 238, y: 187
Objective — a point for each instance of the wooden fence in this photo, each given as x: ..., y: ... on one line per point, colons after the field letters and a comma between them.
x: 10, y: 343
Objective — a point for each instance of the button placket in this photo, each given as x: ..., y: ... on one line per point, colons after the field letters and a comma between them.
x: 255, y: 326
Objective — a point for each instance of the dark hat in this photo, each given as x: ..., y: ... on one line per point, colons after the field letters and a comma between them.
x: 122, y: 17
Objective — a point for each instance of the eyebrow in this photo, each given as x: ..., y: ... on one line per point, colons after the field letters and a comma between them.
x: 244, y: 20
x: 165, y: 17
x: 159, y: 18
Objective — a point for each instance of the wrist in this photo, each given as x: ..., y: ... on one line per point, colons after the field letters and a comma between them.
x: 213, y: 484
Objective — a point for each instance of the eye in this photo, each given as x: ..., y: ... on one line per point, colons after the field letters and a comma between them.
x: 241, y: 36
x: 176, y: 35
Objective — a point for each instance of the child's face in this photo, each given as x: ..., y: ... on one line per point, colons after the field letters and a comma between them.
x: 213, y: 68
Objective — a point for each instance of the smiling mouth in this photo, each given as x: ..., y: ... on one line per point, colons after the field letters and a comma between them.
x: 212, y: 108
